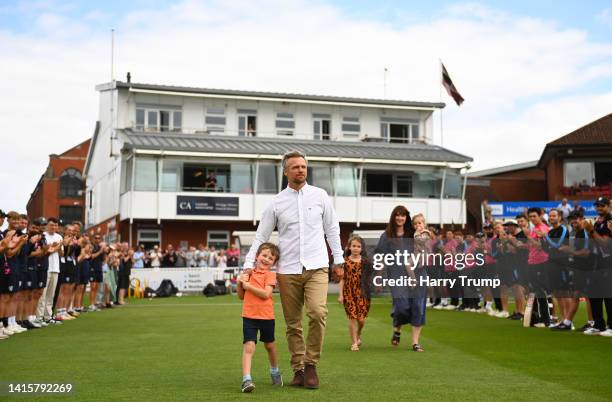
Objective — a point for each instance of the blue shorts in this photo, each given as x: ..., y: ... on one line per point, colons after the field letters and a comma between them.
x: 250, y: 326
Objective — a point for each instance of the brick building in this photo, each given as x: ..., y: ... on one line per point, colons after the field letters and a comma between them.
x: 579, y: 165
x: 576, y: 166
x: 60, y: 191
x: 516, y: 182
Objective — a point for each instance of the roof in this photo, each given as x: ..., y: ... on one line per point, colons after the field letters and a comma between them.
x: 276, y: 147
x: 504, y: 169
x: 596, y: 133
x: 278, y: 96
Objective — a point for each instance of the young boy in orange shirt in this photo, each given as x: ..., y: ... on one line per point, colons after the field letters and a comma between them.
x: 255, y: 288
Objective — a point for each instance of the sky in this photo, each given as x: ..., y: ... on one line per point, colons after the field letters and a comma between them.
x: 530, y: 71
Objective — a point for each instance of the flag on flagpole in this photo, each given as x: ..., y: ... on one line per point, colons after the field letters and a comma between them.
x: 450, y: 87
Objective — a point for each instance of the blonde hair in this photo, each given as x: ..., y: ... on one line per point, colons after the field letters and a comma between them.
x: 417, y: 217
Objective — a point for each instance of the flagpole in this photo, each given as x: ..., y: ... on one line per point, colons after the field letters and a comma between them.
x: 441, y: 109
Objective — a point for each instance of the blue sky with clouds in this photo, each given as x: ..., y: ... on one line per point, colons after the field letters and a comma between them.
x: 530, y: 71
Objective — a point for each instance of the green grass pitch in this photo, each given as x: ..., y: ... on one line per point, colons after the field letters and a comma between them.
x: 189, y: 348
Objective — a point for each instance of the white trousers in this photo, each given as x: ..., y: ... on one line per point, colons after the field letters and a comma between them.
x: 45, y: 304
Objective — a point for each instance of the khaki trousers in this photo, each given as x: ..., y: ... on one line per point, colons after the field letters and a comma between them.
x: 45, y: 304
x: 308, y: 289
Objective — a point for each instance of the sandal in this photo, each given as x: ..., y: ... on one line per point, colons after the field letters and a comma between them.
x: 396, y: 338
x: 417, y: 348
x: 355, y: 347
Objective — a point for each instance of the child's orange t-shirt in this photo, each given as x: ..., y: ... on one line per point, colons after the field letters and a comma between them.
x: 254, y: 306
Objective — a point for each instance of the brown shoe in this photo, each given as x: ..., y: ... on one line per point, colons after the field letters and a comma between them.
x: 311, y: 379
x: 298, y: 379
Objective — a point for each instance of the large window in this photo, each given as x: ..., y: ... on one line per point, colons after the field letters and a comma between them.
x: 267, y: 179
x: 399, y: 130
x: 71, y: 183
x: 159, y: 119
x: 145, y: 176
x: 427, y: 182
x: 351, y: 126
x: 452, y: 184
x: 241, y: 178
x: 219, y: 239
x: 70, y: 213
x: 149, y: 238
x: 321, y: 176
x: 171, y: 175
x: 285, y: 123
x: 215, y: 120
x: 346, y: 180
x: 578, y: 174
x: 126, y: 174
x: 417, y: 183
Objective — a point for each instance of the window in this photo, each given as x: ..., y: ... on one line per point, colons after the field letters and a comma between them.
x: 578, y: 174
x: 204, y: 177
x: 452, y: 184
x: 126, y: 175
x: 145, y: 176
x: 351, y: 126
x: 215, y: 120
x: 149, y: 238
x: 426, y: 182
x: 218, y: 239
x: 346, y: 181
x: 399, y: 130
x: 241, y: 180
x: 71, y: 183
x: 321, y: 176
x: 171, y: 175
x: 158, y: 119
x: 285, y: 124
x: 267, y: 179
x: 321, y: 126
x: 70, y: 213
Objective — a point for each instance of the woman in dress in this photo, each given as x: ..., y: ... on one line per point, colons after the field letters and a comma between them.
x: 355, y: 288
x: 408, y: 301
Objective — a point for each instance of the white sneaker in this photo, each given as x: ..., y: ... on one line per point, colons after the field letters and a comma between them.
x: 607, y: 332
x: 502, y: 314
x: 439, y: 307
x: 35, y: 324
x: 7, y: 331
x: 491, y: 312
x: 450, y: 307
x: 592, y: 331
x: 41, y: 323
x: 17, y: 329
x: 429, y: 304
x: 539, y: 325
x: 481, y: 310
x: 92, y: 308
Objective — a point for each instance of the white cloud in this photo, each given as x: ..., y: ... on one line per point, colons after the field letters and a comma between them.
x: 522, y: 77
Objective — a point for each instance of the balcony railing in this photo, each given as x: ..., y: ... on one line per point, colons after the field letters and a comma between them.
x: 284, y: 133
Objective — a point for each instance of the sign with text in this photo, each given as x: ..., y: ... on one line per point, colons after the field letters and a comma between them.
x: 514, y: 208
x: 198, y: 205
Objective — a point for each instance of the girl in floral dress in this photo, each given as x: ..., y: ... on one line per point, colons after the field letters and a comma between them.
x: 355, y: 288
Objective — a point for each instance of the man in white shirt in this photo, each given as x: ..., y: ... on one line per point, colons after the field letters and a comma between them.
x: 565, y: 208
x: 305, y: 217
x: 44, y: 311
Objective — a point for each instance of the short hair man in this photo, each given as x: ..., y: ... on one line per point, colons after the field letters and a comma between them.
x: 305, y: 217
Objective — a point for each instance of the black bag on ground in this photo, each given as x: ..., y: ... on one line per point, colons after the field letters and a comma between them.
x: 209, y: 290
x: 220, y: 287
x: 166, y: 289
x: 148, y: 292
